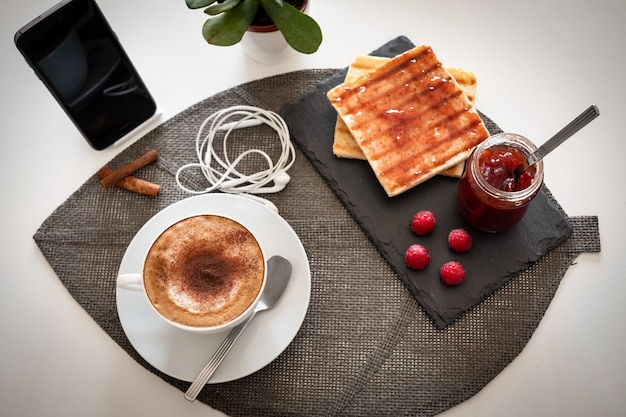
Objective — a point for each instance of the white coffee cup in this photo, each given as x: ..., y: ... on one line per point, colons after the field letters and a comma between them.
x: 203, y: 274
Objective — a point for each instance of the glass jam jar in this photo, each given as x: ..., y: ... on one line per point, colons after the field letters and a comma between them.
x: 489, y: 196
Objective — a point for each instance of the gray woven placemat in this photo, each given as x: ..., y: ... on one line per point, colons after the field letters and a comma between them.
x: 365, y: 347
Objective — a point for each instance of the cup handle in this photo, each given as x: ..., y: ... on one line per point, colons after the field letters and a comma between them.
x: 133, y: 282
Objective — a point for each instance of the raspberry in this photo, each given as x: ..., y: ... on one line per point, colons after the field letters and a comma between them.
x: 423, y: 222
x: 459, y: 240
x: 452, y: 273
x: 417, y: 257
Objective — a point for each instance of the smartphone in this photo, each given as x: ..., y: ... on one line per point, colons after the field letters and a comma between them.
x: 76, y: 54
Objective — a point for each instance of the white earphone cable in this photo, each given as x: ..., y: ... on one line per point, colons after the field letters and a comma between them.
x: 227, y: 178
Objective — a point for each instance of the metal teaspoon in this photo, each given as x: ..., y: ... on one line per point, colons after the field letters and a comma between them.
x: 574, y: 126
x: 278, y: 274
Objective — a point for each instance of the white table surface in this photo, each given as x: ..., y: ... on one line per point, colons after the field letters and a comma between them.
x: 538, y: 63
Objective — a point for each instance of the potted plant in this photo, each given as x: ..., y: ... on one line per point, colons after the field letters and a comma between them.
x: 230, y: 20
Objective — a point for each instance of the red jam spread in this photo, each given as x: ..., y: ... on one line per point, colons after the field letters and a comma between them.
x: 502, y: 206
x: 497, y: 166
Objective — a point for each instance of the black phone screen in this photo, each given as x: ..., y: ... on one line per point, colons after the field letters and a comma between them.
x: 73, y: 50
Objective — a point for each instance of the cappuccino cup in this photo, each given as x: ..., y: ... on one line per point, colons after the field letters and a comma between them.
x: 203, y: 274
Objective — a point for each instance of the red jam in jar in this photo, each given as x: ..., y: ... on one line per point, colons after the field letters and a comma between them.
x: 490, y: 197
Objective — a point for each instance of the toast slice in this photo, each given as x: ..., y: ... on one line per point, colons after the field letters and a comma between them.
x: 410, y: 119
x: 344, y: 145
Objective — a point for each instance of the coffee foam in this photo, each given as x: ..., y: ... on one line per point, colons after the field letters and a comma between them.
x: 204, y: 271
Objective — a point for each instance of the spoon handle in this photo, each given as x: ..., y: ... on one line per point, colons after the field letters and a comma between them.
x: 215, y: 361
x: 574, y: 126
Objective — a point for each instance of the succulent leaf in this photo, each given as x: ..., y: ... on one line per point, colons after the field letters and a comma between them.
x: 301, y: 32
x: 197, y: 4
x: 228, y: 27
x: 218, y: 8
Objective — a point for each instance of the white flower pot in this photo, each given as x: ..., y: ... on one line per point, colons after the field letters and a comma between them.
x: 266, y: 47
x: 266, y: 44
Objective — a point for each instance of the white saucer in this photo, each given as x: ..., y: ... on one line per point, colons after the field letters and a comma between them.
x: 181, y: 354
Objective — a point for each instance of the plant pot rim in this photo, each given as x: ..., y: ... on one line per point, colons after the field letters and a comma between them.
x: 273, y: 28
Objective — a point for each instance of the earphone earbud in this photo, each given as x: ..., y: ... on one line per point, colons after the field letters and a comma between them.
x: 282, y: 178
x: 280, y: 182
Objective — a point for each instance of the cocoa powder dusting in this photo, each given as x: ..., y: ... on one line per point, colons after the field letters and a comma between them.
x: 208, y: 274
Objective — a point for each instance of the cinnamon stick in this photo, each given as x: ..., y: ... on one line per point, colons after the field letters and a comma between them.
x: 129, y: 168
x: 131, y: 183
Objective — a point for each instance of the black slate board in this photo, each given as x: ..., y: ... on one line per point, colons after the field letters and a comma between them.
x: 494, y: 258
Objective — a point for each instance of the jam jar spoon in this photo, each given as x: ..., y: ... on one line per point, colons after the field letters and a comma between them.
x: 574, y: 126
